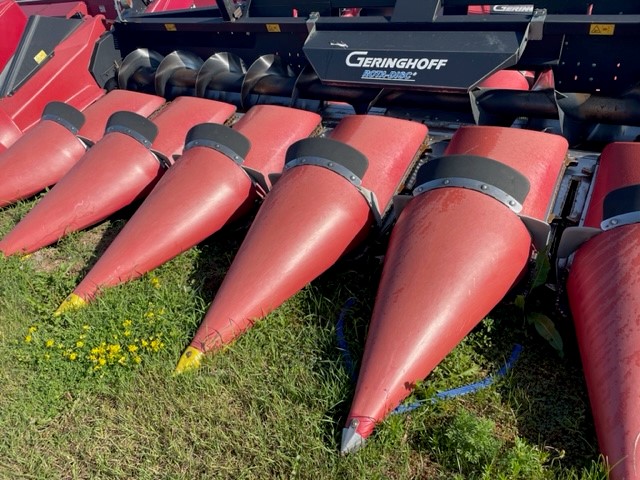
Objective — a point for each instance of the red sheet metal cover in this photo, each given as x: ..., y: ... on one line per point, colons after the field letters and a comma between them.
x: 604, y: 295
x: 310, y: 218
x: 12, y: 22
x: 98, y: 113
x: 618, y: 168
x: 519, y: 149
x: 183, y: 113
x: 9, y: 131
x: 54, y: 9
x: 46, y: 152
x: 453, y: 255
x: 206, y: 189
x: 64, y: 77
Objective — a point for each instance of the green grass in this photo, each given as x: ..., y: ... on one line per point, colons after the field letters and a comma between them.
x: 91, y: 394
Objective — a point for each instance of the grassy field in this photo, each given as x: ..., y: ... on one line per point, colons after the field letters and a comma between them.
x: 91, y: 394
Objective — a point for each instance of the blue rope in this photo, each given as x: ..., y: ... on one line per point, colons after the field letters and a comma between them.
x: 466, y: 389
x: 454, y: 392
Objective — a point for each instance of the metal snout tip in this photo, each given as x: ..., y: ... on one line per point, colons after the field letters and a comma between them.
x: 72, y: 302
x: 190, y: 360
x: 352, y: 441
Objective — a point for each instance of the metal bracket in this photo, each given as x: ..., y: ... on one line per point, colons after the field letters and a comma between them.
x: 230, y: 11
x: 538, y: 229
x: 326, y: 163
x: 536, y: 26
x: 338, y: 157
x: 69, y: 117
x: 573, y: 237
x: 621, y: 207
x: 481, y: 174
x: 311, y: 22
x: 229, y: 142
x: 471, y: 184
x: 136, y: 126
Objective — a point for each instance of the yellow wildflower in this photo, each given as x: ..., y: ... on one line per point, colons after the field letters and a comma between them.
x: 79, y: 344
x: 137, y: 359
x: 126, y: 323
x: 149, y: 314
x: 73, y: 356
x: 27, y: 339
x: 122, y: 360
x: 50, y: 343
x: 113, y: 349
x: 86, y: 327
x: 155, y: 282
x: 133, y: 348
x: 127, y: 333
x: 32, y: 329
x: 102, y: 361
x: 144, y: 343
x: 156, y: 345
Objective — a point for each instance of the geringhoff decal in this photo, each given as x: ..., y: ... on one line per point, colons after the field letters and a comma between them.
x: 392, y: 68
x: 512, y: 9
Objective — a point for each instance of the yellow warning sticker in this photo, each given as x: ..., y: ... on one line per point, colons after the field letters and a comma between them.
x: 602, y: 28
x: 273, y: 27
x: 170, y: 27
x: 40, y: 57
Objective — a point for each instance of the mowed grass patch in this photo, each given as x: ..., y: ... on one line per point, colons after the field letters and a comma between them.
x: 272, y: 404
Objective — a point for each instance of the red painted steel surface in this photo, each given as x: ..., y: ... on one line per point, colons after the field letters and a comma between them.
x: 12, y: 22
x: 618, y: 168
x: 113, y: 173
x: 453, y: 255
x: 206, y: 189
x: 182, y: 114
x: 46, y: 152
x: 604, y: 295
x: 61, y: 7
x: 98, y: 113
x: 165, y: 5
x: 26, y: 170
x: 309, y: 219
x: 9, y: 131
x: 64, y: 77
x: 506, y: 79
x: 56, y: 9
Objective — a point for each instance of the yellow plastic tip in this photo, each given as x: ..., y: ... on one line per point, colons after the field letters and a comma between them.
x: 190, y: 360
x: 72, y: 302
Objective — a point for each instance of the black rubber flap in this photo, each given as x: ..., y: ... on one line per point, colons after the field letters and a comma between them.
x: 620, y: 201
x: 134, y: 125
x: 219, y: 137
x: 41, y: 35
x: 64, y: 114
x: 329, y: 149
x: 481, y: 169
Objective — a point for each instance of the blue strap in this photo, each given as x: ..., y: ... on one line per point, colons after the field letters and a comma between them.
x: 465, y: 389
x: 454, y: 392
